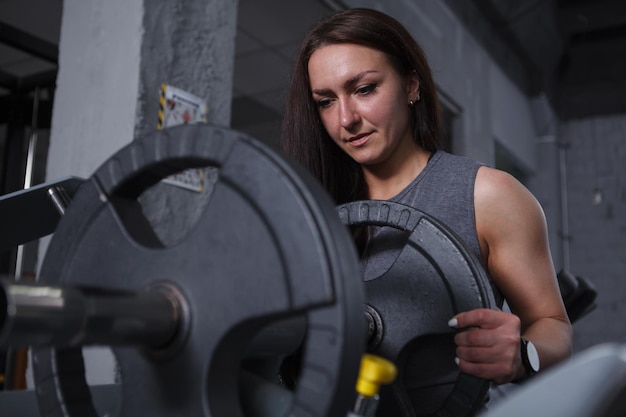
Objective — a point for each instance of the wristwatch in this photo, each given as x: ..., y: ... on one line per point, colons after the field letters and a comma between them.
x: 530, y: 357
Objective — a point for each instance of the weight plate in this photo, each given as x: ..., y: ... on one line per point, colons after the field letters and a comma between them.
x: 433, y: 278
x: 268, y: 246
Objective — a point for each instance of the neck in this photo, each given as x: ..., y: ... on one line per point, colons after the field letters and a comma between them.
x: 385, y: 181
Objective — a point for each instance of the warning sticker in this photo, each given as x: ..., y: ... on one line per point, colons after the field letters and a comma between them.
x: 177, y: 107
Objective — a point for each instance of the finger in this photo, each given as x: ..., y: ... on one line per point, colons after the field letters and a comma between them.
x: 494, y: 371
x: 483, y: 318
x: 487, y: 354
x: 477, y: 338
x: 475, y: 354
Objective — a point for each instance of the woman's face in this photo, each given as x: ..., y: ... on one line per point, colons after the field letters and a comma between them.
x: 362, y: 100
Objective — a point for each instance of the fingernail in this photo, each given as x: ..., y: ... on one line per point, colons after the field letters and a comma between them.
x: 457, y: 360
x: 453, y: 322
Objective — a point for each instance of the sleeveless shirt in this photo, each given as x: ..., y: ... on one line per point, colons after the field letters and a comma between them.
x: 444, y: 189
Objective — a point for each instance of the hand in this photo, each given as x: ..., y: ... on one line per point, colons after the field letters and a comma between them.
x: 488, y: 344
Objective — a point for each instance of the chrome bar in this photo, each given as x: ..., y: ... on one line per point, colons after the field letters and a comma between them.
x: 59, y: 198
x: 38, y: 315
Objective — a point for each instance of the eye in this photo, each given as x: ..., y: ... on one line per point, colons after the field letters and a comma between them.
x: 366, y: 89
x: 323, y: 103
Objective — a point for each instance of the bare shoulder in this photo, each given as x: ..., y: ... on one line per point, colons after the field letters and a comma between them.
x: 505, y: 208
x: 494, y: 183
x: 496, y: 190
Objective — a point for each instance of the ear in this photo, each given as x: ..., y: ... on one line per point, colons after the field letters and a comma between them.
x: 413, y: 86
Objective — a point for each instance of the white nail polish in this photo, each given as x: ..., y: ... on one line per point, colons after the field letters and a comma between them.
x: 457, y: 360
x: 453, y: 322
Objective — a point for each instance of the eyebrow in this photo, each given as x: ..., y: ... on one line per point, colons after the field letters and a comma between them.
x: 348, y: 84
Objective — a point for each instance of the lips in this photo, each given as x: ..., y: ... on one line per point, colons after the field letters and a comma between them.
x: 358, y: 140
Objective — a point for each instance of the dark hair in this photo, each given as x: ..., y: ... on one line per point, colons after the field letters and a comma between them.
x: 303, y: 136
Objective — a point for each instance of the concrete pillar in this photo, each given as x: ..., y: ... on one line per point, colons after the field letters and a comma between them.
x: 113, y: 57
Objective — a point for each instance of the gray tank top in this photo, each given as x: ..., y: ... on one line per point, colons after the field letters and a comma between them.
x: 444, y: 189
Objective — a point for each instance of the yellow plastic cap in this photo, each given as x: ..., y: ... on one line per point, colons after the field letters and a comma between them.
x: 374, y: 372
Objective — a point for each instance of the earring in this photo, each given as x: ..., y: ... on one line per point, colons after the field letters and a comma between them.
x: 411, y: 103
x: 418, y: 96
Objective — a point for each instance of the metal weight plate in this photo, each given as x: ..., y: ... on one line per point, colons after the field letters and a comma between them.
x: 433, y: 278
x: 268, y: 247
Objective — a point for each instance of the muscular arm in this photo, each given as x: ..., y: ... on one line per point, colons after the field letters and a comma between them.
x: 513, y: 238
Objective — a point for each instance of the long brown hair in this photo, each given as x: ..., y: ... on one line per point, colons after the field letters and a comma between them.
x: 303, y: 135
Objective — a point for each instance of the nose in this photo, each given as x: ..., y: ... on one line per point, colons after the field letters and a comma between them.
x: 348, y: 115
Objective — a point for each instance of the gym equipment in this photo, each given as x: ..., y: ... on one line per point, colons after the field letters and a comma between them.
x: 34, y: 212
x: 200, y: 326
x: 579, y: 295
x: 433, y: 278
x: 591, y: 384
x: 375, y: 371
x: 242, y: 268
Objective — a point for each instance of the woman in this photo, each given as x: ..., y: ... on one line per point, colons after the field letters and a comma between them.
x: 362, y: 116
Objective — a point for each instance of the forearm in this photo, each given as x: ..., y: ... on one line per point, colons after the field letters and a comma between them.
x: 553, y: 339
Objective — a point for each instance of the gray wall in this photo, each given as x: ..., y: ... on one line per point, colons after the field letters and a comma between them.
x: 596, y: 161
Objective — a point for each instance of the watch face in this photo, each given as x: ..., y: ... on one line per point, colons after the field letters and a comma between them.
x: 533, y: 355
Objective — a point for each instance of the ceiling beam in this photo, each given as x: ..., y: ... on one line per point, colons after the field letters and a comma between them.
x: 585, y: 17
x: 18, y: 39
